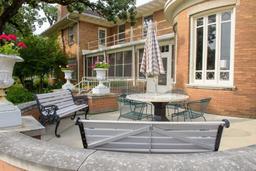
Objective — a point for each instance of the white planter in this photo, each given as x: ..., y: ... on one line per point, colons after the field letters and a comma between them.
x: 10, y: 115
x: 68, y: 76
x: 101, y: 89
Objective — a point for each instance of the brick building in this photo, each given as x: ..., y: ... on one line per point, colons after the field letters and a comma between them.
x: 208, y: 48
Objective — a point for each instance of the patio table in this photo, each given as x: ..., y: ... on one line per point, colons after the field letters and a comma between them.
x: 159, y: 101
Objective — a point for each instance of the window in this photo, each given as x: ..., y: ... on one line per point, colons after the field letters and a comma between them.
x: 146, y: 21
x: 121, y: 33
x: 71, y: 37
x: 90, y: 62
x: 102, y: 35
x: 120, y: 64
x: 211, y: 54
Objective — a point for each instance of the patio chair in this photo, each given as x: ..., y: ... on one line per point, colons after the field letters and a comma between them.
x: 193, y: 109
x: 175, y: 106
x: 132, y: 109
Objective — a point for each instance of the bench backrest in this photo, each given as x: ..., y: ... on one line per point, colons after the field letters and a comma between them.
x: 61, y: 98
x: 152, y: 137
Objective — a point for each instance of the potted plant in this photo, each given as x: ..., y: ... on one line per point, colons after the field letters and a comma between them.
x: 68, y: 76
x: 101, y: 69
x: 10, y: 115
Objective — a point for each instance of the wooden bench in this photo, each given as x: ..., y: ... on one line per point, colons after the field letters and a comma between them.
x: 57, y: 105
x: 151, y: 137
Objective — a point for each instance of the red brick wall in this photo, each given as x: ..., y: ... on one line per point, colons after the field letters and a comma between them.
x: 242, y: 100
x: 99, y: 104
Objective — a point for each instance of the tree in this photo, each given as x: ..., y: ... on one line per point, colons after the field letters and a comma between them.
x: 41, y: 57
x: 25, y: 21
x: 112, y: 10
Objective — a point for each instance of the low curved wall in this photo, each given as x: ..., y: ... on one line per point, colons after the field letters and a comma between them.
x: 29, y: 108
x: 31, y: 154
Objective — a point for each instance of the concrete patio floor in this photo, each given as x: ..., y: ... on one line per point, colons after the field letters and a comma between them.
x: 242, y: 131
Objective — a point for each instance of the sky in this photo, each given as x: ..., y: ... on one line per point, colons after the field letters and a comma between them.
x: 46, y: 24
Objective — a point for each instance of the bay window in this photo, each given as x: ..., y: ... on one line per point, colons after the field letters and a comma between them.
x: 211, y: 53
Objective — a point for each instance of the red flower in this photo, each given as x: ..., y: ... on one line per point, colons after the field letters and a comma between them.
x: 12, y: 37
x: 22, y: 45
x: 4, y: 36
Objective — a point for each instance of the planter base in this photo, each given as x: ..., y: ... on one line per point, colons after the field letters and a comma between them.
x: 10, y: 115
x: 101, y: 90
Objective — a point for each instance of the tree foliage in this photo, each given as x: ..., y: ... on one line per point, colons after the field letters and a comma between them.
x: 12, y: 12
x: 41, y: 57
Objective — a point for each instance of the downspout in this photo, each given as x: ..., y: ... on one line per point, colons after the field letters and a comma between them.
x: 78, y: 47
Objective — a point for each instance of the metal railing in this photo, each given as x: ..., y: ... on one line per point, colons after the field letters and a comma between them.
x: 132, y: 34
x: 118, y: 86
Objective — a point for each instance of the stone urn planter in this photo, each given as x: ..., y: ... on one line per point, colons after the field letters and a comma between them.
x: 101, y: 89
x: 68, y: 76
x: 10, y: 115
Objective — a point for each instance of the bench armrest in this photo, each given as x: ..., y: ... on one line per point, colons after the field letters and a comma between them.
x: 48, y: 109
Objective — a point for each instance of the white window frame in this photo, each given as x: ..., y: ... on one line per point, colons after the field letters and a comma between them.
x: 216, y: 82
x: 99, y: 41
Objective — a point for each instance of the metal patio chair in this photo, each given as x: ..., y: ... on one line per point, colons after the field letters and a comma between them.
x: 131, y: 109
x: 176, y: 106
x: 193, y: 109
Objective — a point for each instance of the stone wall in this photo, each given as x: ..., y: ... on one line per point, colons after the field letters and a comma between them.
x: 26, y: 153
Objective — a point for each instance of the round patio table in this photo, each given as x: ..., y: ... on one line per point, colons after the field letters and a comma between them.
x: 159, y: 101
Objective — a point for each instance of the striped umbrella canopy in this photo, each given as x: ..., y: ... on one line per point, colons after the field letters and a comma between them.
x: 151, y: 64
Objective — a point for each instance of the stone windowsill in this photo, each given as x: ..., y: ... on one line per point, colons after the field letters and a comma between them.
x: 211, y: 87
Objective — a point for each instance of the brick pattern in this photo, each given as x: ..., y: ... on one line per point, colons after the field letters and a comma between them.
x: 100, y: 104
x: 242, y: 100
x: 31, y: 110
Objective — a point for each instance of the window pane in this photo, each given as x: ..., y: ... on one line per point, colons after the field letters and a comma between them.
x: 111, y: 71
x: 224, y: 76
x: 111, y: 59
x: 102, y: 37
x: 127, y: 57
x: 210, y: 75
x: 200, y: 22
x: 128, y: 70
x: 89, y: 66
x: 211, y: 19
x: 121, y: 34
x: 162, y: 78
x: 199, y: 48
x: 119, y: 70
x: 173, y: 62
x: 211, y: 47
x: 226, y: 16
x: 225, y: 46
x: 119, y: 58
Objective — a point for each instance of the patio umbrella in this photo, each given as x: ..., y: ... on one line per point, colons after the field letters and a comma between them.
x: 151, y: 64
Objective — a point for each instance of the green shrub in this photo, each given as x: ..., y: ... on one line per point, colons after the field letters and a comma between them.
x: 17, y: 94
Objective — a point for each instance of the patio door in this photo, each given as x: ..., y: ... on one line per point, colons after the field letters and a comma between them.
x: 164, y: 80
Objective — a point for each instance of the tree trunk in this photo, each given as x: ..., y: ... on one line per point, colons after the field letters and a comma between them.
x: 9, y: 12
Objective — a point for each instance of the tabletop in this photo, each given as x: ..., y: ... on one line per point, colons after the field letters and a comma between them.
x: 158, y: 97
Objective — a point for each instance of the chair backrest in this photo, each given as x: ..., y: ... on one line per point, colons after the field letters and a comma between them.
x: 152, y: 137
x: 200, y: 105
x: 61, y: 98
